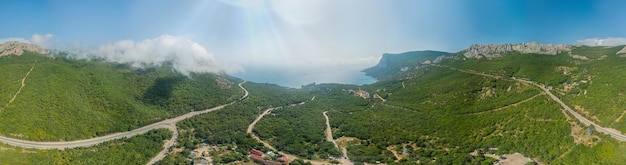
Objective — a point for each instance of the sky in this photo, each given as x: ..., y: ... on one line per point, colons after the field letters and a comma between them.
x: 239, y: 36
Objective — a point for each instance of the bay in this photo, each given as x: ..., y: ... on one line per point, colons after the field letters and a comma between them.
x: 296, y: 77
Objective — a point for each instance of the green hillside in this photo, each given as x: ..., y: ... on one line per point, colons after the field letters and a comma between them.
x: 596, y: 85
x: 439, y: 114
x: 431, y: 114
x: 66, y: 99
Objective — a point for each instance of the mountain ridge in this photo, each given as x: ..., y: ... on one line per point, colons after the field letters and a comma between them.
x: 17, y: 48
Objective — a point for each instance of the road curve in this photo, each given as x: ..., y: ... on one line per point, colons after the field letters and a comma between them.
x: 610, y: 131
x: 617, y: 135
x: 167, y: 124
x: 166, y: 146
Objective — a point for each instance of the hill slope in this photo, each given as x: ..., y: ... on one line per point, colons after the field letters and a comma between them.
x: 64, y: 99
x: 440, y: 113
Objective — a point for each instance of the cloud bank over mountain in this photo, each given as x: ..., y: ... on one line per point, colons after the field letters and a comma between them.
x: 184, y: 54
x: 42, y: 40
x: 609, y: 41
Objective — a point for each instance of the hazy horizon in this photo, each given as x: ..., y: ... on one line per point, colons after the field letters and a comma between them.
x: 293, y: 36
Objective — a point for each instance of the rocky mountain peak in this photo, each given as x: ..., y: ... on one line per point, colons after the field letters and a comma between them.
x: 497, y: 50
x: 18, y: 48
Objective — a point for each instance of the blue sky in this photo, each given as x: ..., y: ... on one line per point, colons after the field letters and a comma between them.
x: 312, y: 34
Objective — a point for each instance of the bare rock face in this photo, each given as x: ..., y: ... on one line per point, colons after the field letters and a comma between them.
x: 497, y: 50
x: 18, y: 48
x: 623, y: 51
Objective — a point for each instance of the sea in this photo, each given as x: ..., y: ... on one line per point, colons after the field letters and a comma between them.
x: 296, y: 78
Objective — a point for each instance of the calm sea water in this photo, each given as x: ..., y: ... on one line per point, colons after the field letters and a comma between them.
x: 295, y: 78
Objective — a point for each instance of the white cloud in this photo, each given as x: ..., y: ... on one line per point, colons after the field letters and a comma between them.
x: 2, y: 40
x: 610, y: 41
x: 184, y: 54
x: 37, y: 39
x: 41, y: 40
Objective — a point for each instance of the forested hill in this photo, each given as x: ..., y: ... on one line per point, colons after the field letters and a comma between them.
x: 51, y: 99
x: 441, y: 112
x: 390, y: 64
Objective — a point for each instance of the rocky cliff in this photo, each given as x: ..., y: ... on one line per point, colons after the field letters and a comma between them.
x: 497, y: 50
x: 392, y: 63
x: 18, y: 48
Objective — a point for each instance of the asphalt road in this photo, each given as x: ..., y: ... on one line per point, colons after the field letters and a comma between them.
x: 167, y: 124
x: 609, y: 131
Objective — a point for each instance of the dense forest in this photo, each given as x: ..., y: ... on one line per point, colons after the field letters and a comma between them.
x: 227, y: 127
x: 427, y: 114
x: 66, y: 99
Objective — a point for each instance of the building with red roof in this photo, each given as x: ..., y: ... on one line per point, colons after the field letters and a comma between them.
x: 256, y: 152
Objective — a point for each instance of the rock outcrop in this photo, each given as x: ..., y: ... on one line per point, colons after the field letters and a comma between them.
x: 18, y: 48
x: 497, y: 50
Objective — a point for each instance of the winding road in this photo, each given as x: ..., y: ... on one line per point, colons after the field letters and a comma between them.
x: 609, y: 131
x: 167, y: 124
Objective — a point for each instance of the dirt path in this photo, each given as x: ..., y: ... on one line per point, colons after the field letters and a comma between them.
x: 394, y: 152
x: 329, y: 132
x: 508, y: 106
x: 21, y: 87
x: 251, y: 126
x: 329, y: 137
x: 378, y: 97
x: 565, y: 153
x: 620, y: 117
x: 266, y: 144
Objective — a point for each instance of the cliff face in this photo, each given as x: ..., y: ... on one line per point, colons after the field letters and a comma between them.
x: 497, y: 50
x: 18, y: 48
x: 392, y: 63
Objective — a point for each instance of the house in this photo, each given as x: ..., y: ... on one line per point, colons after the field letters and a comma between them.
x: 284, y: 159
x: 256, y: 152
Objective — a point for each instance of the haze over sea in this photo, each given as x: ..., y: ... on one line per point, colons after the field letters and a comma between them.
x: 295, y: 78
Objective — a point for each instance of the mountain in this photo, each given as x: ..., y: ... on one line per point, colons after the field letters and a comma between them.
x: 511, y: 102
x: 58, y: 98
x: 18, y: 48
x: 391, y: 63
x: 497, y: 50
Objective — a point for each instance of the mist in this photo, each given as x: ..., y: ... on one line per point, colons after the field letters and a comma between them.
x: 183, y: 54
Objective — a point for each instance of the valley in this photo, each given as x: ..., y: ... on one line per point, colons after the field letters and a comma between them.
x: 284, y: 82
x: 420, y: 112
